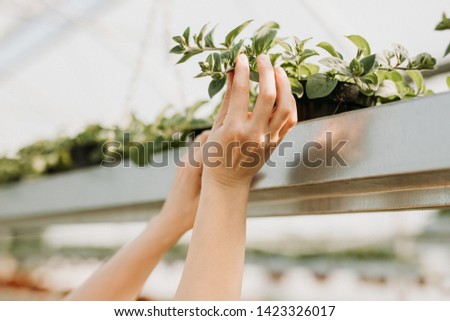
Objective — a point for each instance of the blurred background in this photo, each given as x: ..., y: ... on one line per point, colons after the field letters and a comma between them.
x: 65, y: 64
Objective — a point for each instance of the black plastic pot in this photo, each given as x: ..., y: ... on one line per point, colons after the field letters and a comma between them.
x: 198, y: 131
x: 345, y: 97
x: 85, y: 155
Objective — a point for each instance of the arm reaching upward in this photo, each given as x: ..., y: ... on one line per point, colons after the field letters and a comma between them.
x: 237, y: 148
x: 122, y: 277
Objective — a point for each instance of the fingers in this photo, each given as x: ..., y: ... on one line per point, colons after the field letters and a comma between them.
x: 267, y: 91
x: 225, y: 103
x: 285, y: 115
x: 274, y: 87
x: 238, y: 106
x: 288, y: 125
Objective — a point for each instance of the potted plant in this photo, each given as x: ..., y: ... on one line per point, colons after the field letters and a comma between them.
x: 46, y: 156
x: 86, y: 147
x: 10, y: 170
x: 167, y: 131
x: 324, y: 87
x: 444, y: 24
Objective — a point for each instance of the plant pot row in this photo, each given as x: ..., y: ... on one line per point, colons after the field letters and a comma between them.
x: 345, y: 97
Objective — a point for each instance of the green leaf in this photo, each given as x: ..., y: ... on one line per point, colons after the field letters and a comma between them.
x: 383, y: 59
x: 368, y: 84
x: 444, y: 24
x: 361, y: 43
x: 234, y: 33
x: 202, y: 74
x: 204, y: 66
x: 296, y: 87
x: 209, y: 42
x: 423, y: 61
x: 304, y: 71
x: 307, y: 70
x: 328, y: 47
x: 263, y: 40
x: 448, y: 82
x: 337, y: 64
x: 387, y: 89
x: 178, y: 39
x: 254, y: 76
x: 283, y: 45
x: 290, y: 68
x: 400, y: 52
x: 268, y: 25
x: 447, y: 51
x: 199, y: 38
x: 368, y: 63
x: 216, y: 85
x: 225, y: 55
x: 356, y: 68
x: 300, y: 44
x: 395, y: 76
x: 274, y: 57
x: 186, y: 34
x: 188, y: 55
x: 177, y: 49
x: 210, y: 60
x: 417, y: 78
x: 371, y: 78
x: 306, y: 54
x: 217, y: 66
x: 320, y: 85
x: 235, y: 51
x: 313, y: 69
x: 404, y: 89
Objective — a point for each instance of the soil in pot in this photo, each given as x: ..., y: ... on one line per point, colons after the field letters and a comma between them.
x: 345, y: 97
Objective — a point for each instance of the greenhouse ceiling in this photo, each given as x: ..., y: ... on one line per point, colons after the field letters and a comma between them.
x: 67, y: 63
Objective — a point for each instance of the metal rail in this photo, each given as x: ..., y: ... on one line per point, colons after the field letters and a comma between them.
x: 397, y: 156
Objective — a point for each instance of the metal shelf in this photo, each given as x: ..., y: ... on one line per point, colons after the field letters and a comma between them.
x: 398, y: 158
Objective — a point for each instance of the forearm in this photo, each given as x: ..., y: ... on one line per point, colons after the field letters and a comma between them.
x: 214, y: 264
x: 215, y: 261
x: 122, y: 277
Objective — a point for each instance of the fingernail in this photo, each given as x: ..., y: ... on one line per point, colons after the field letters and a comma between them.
x: 242, y: 59
x: 264, y: 58
x: 280, y: 71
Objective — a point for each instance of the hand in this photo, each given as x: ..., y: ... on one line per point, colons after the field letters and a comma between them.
x: 181, y: 204
x: 241, y: 142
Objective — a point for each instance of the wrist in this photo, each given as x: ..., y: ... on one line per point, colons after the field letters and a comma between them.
x: 166, y: 228
x: 178, y: 219
x: 226, y: 182
x: 225, y: 188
